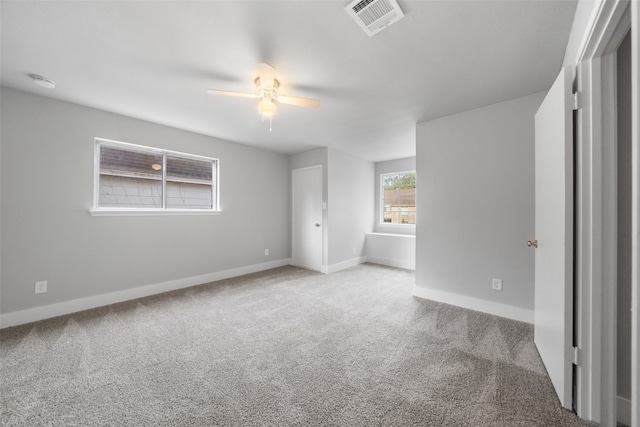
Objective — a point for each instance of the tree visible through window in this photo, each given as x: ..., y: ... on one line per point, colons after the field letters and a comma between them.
x: 398, y: 195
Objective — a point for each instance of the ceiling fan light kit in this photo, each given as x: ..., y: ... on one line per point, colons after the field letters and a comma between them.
x: 267, y: 108
x: 267, y: 90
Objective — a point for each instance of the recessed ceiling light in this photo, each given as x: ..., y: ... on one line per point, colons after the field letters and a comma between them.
x: 41, y: 81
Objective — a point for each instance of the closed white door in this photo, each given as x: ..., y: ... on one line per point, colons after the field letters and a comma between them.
x: 306, y: 230
x: 554, y: 235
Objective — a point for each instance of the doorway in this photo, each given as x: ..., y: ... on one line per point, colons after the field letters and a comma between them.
x: 306, y: 218
x: 598, y: 177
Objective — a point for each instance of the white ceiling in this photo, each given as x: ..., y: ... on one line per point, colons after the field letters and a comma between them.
x: 154, y: 60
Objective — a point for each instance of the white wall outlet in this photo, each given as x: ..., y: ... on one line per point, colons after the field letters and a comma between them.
x: 353, y: 251
x: 41, y: 287
x: 497, y: 285
x: 266, y: 252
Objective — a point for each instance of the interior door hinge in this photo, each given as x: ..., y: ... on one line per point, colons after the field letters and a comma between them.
x: 576, y: 100
x: 576, y: 356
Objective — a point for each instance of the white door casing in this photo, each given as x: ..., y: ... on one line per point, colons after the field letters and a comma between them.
x: 635, y: 251
x: 554, y: 234
x: 306, y: 232
x: 596, y: 210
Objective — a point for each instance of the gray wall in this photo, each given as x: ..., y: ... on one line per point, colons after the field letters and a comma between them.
x: 47, y: 191
x: 350, y: 205
x: 475, y: 201
x: 624, y: 218
x: 398, y: 165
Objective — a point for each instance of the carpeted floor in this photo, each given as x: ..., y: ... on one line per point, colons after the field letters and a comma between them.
x: 284, y: 347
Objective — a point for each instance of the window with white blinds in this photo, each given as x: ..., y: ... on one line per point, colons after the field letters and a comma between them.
x: 131, y: 177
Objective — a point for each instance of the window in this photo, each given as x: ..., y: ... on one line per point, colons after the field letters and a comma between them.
x: 398, y: 197
x: 133, y: 178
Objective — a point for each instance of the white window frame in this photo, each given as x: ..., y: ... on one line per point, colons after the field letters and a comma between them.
x: 381, y: 207
x: 123, y: 211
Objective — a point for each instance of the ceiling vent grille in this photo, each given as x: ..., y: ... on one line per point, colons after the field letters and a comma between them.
x: 374, y: 16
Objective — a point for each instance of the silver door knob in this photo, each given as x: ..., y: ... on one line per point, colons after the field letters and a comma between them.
x: 533, y: 243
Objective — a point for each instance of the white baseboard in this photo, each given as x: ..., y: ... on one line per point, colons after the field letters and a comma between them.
x: 490, y: 307
x: 623, y: 410
x: 345, y: 264
x: 67, y: 307
x: 409, y: 265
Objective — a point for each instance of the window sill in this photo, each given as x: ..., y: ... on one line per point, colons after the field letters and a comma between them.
x: 151, y: 212
x: 396, y: 225
x: 390, y: 228
x: 377, y: 233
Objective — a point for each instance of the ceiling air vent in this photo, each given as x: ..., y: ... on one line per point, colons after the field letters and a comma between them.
x: 374, y: 16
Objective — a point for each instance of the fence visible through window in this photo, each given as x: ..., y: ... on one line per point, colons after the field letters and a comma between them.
x: 398, y: 197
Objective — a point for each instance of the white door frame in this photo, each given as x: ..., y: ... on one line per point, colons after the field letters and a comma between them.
x: 596, y: 212
x: 635, y: 215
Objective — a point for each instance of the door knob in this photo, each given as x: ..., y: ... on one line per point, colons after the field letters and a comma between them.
x: 533, y: 243
x: 317, y: 224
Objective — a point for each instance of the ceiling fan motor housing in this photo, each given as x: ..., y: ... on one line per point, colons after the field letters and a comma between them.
x: 265, y: 93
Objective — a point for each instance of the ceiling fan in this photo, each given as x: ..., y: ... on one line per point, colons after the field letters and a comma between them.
x: 267, y: 90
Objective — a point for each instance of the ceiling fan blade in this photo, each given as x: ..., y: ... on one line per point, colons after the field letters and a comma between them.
x: 230, y: 93
x: 267, y: 75
x: 301, y: 102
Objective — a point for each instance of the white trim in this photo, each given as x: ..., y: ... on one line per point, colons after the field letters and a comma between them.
x: 596, y: 303
x: 490, y: 307
x: 379, y: 233
x: 608, y: 252
x: 624, y: 410
x: 400, y: 263
x: 53, y: 310
x: 145, y: 148
x: 319, y: 165
x: 399, y: 226
x: 604, y: 22
x: 635, y: 214
x: 150, y: 212
x: 344, y: 265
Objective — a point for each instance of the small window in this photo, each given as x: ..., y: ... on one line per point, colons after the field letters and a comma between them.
x: 136, y: 178
x: 398, y: 197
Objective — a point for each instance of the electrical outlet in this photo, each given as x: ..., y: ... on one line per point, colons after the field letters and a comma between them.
x: 497, y: 285
x: 266, y: 252
x: 41, y: 287
x: 353, y: 251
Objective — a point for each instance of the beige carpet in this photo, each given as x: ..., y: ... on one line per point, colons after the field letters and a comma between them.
x: 285, y: 347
